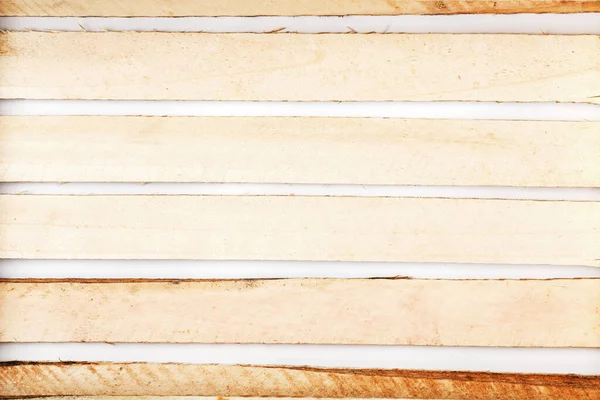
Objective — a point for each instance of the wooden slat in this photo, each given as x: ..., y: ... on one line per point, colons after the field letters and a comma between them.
x: 81, y: 379
x: 181, y: 398
x: 186, y: 8
x: 333, y: 67
x: 503, y: 313
x: 300, y: 228
x: 300, y: 150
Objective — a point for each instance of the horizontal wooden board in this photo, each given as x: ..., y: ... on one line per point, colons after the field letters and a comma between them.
x: 280, y: 67
x: 181, y: 398
x: 82, y: 379
x: 311, y: 228
x: 299, y: 150
x: 187, y: 8
x: 500, y: 313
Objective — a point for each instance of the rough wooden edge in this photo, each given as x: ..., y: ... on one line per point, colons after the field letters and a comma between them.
x: 137, y: 379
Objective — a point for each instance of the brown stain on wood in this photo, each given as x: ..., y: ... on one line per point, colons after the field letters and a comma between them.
x: 440, y: 5
x: 5, y: 48
x: 394, y: 4
x: 592, y: 381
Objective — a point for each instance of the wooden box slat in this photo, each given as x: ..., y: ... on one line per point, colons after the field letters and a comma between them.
x: 299, y: 150
x: 120, y: 379
x: 499, y: 313
x: 296, y: 67
x: 187, y: 8
x: 311, y: 228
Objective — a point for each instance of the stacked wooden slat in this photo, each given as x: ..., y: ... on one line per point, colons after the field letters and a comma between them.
x: 373, y: 151
x: 181, y: 8
x: 120, y: 379
x: 310, y: 311
x: 292, y: 67
x: 362, y: 151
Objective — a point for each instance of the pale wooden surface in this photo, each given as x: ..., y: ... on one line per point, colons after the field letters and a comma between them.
x: 500, y: 313
x: 330, y: 67
x: 220, y: 380
x: 300, y: 228
x: 170, y: 8
x: 300, y: 150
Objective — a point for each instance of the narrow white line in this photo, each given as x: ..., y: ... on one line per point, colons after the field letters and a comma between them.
x: 516, y: 23
x: 442, y: 110
x: 517, y: 193
x: 530, y: 360
x: 180, y: 269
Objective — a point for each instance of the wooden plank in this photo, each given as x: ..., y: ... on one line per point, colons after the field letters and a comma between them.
x: 300, y: 228
x: 180, y: 398
x: 82, y: 379
x: 300, y: 150
x: 500, y: 313
x: 188, y: 8
x: 279, y: 67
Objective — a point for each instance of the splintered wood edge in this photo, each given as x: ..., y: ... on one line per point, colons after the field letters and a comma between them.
x: 179, y: 8
x: 138, y: 379
x: 363, y: 311
x: 339, y: 150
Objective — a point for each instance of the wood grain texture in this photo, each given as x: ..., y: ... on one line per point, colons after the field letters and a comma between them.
x: 279, y: 67
x: 180, y: 398
x: 80, y: 379
x: 498, y: 313
x: 300, y: 150
x: 187, y: 8
x: 312, y: 228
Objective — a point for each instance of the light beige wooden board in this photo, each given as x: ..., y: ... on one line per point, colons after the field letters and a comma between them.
x: 81, y: 379
x: 171, y: 8
x: 299, y: 150
x: 499, y: 313
x: 308, y: 228
x: 275, y: 67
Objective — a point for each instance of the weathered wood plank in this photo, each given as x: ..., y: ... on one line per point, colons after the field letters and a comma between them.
x: 501, y: 313
x: 81, y: 379
x: 300, y: 150
x: 186, y: 8
x: 311, y: 228
x: 279, y: 67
